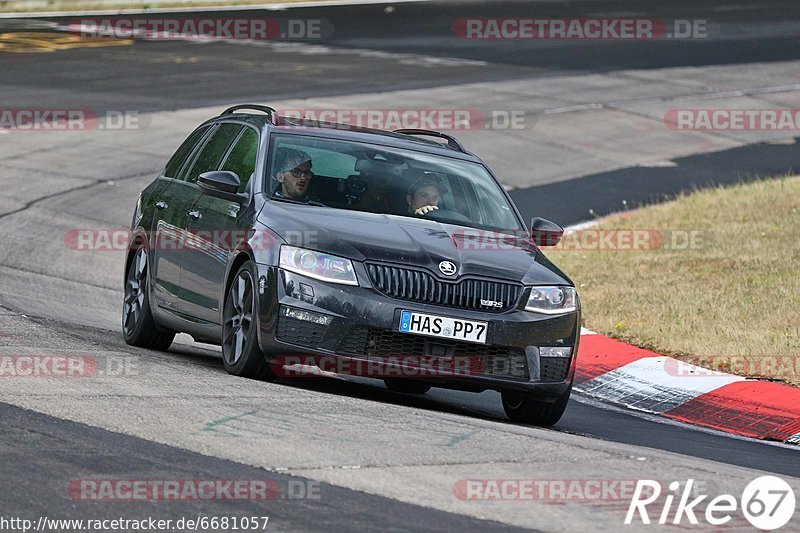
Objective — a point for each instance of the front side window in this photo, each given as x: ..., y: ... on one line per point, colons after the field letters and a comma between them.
x: 242, y: 158
x: 212, y: 153
x: 393, y: 181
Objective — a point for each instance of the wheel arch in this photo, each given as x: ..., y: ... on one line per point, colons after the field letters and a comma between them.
x: 243, y: 255
x: 139, y: 237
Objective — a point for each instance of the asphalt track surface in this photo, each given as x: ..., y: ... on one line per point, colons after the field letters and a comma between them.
x: 69, y: 446
x: 170, y: 75
x: 153, y: 77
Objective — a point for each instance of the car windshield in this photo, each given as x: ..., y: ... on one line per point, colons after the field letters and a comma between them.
x: 378, y: 179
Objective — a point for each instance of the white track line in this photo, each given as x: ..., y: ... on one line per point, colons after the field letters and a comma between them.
x: 647, y: 385
x: 210, y: 7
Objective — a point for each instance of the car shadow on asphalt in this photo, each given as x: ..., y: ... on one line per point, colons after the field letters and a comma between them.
x: 439, y: 400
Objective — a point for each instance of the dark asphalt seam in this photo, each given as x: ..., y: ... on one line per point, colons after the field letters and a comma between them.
x: 84, y: 438
x: 4, y: 164
x: 66, y: 329
x: 766, y: 98
x: 500, y: 426
x: 755, y: 93
x: 709, y: 95
x: 421, y: 465
x: 94, y: 183
x: 710, y: 133
x: 86, y: 283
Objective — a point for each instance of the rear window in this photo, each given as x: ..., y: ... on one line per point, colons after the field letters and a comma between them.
x: 212, y: 153
x: 242, y: 159
x: 175, y: 164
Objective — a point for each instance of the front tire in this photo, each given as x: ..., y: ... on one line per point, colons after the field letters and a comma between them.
x: 528, y: 408
x: 138, y: 326
x: 241, y: 354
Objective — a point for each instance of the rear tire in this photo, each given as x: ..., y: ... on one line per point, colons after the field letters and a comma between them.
x: 138, y: 326
x: 406, y: 386
x: 529, y: 408
x: 241, y: 354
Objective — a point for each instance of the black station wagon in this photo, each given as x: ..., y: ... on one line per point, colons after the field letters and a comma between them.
x: 287, y: 241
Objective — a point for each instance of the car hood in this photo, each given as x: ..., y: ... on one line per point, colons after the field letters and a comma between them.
x: 411, y: 241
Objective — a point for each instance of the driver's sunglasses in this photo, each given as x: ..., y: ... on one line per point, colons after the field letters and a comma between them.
x: 298, y: 172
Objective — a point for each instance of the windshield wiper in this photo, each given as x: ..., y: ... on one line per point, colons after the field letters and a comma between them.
x: 291, y: 201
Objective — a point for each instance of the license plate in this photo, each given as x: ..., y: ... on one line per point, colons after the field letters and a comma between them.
x: 444, y: 327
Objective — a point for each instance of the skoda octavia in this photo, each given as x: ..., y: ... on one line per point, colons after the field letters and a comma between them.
x: 277, y: 237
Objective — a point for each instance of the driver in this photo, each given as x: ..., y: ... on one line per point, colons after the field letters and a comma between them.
x: 423, y: 196
x: 293, y: 174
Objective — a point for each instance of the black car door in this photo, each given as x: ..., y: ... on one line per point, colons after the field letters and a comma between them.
x: 168, y: 204
x: 217, y: 227
x: 194, y: 252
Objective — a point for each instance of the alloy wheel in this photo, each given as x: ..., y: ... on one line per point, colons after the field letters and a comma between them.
x: 238, y: 318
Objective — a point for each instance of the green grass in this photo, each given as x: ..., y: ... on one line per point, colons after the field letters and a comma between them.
x: 732, y: 304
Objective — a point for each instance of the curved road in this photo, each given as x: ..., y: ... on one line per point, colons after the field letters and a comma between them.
x: 386, y: 461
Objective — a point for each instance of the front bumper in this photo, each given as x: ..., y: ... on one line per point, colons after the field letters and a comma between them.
x: 363, y: 328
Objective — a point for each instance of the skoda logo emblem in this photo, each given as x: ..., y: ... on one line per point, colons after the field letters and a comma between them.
x: 448, y: 268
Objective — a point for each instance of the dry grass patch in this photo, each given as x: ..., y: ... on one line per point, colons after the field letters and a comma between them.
x: 731, y: 304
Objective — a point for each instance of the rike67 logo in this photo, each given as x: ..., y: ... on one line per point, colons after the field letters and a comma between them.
x: 768, y: 503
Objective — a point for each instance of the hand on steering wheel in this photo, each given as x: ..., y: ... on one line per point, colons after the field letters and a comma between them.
x: 425, y: 209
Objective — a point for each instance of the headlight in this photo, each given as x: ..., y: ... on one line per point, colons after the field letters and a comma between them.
x: 318, y: 265
x: 552, y: 300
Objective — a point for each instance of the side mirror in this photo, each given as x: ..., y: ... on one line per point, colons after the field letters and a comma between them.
x: 545, y: 233
x: 222, y: 184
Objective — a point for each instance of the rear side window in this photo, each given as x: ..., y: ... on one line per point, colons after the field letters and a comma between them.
x: 211, y: 155
x: 179, y: 158
x: 242, y: 159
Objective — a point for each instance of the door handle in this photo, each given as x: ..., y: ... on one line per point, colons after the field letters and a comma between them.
x: 195, y: 214
x: 161, y: 204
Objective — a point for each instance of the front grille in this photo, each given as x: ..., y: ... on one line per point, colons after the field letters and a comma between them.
x: 554, y: 368
x: 300, y: 332
x: 499, y: 361
x: 356, y: 342
x: 419, y: 286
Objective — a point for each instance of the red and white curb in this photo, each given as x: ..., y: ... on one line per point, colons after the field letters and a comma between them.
x: 621, y: 374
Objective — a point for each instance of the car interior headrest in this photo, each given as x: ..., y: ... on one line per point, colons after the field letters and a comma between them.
x: 373, y: 167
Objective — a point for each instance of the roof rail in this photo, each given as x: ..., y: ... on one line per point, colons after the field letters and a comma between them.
x: 452, y: 142
x: 273, y: 115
